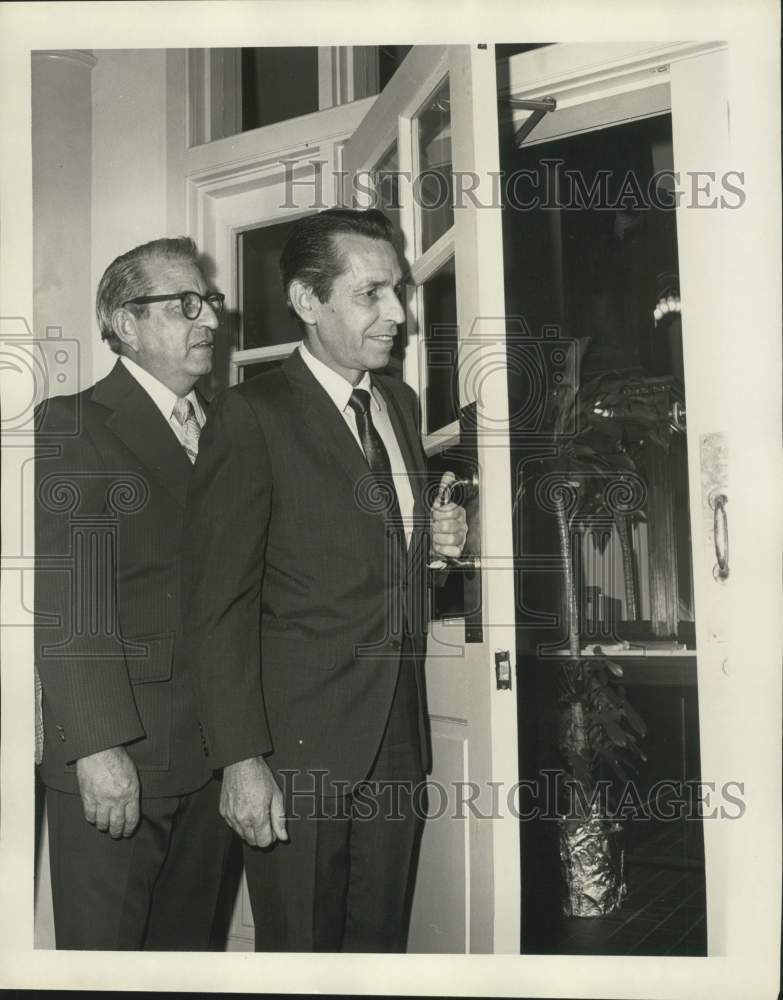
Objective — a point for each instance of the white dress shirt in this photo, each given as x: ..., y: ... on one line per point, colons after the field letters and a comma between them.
x: 164, y: 398
x: 339, y: 391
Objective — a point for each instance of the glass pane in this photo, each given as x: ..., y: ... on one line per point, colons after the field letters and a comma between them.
x: 593, y: 306
x: 386, y: 179
x: 389, y: 59
x: 264, y: 320
x: 278, y: 84
x: 432, y: 188
x: 596, y: 274
x: 258, y: 368
x: 439, y: 326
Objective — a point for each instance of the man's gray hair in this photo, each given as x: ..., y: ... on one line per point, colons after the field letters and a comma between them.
x: 127, y: 277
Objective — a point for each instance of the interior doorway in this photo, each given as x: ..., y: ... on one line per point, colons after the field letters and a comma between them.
x: 593, y: 314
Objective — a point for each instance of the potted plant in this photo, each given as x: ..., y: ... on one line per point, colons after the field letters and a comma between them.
x: 598, y: 734
x: 599, y: 429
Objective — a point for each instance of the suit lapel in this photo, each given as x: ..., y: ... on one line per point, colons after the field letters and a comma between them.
x: 141, y: 427
x: 328, y: 427
x: 325, y: 422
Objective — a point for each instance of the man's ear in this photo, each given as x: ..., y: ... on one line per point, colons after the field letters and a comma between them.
x: 123, y: 322
x: 303, y: 301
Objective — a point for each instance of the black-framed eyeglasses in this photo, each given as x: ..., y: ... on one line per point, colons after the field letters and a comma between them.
x: 191, y: 302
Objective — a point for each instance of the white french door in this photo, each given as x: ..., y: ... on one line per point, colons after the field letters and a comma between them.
x: 599, y: 86
x: 436, y: 121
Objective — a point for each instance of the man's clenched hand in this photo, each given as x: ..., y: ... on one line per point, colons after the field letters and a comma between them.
x: 251, y: 802
x: 449, y: 522
x: 109, y: 787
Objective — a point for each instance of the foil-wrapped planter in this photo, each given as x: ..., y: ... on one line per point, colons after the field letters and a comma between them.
x: 592, y: 859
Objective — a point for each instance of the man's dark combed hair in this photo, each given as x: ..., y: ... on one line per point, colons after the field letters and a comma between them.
x: 310, y: 253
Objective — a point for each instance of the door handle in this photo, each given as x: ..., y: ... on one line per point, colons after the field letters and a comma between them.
x: 720, y: 529
x: 469, y: 482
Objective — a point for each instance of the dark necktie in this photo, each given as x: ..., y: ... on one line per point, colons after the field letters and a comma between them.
x: 377, y: 458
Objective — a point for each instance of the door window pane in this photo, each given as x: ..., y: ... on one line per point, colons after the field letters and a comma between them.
x: 432, y: 187
x: 591, y: 267
x: 264, y: 319
x: 278, y: 84
x: 389, y: 59
x: 386, y: 179
x: 440, y: 344
x: 591, y: 274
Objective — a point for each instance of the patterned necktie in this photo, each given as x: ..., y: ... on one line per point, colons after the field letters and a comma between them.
x: 186, y: 416
x: 377, y: 458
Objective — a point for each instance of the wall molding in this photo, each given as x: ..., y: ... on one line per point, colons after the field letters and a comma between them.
x: 81, y: 57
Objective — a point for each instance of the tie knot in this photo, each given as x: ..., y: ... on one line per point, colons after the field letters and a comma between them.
x: 183, y: 410
x: 360, y: 401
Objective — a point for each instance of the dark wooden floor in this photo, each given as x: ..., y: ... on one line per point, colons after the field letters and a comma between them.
x: 664, y: 912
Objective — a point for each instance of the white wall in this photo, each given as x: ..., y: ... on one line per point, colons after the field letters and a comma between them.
x: 128, y: 161
x: 100, y: 188
x: 61, y: 145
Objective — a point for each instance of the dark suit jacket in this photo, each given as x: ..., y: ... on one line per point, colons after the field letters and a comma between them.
x: 296, y: 601
x: 111, y: 481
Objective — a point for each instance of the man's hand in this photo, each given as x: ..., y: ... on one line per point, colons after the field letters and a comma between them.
x: 251, y: 802
x: 109, y: 787
x: 449, y: 522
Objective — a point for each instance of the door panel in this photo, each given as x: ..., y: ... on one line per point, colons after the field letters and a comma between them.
x: 467, y: 893
x: 440, y: 921
x: 600, y: 88
x: 700, y: 131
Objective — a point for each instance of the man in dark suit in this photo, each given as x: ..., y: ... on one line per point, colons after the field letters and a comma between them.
x: 306, y: 603
x: 135, y: 847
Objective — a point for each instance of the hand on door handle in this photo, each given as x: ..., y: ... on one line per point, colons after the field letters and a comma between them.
x: 448, y: 483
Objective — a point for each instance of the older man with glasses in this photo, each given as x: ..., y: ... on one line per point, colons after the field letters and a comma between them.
x: 136, y: 841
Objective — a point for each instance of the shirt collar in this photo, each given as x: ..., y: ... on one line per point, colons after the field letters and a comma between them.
x: 338, y: 388
x: 160, y: 394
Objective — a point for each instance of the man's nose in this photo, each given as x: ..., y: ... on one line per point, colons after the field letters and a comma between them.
x: 208, y: 316
x: 393, y: 309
